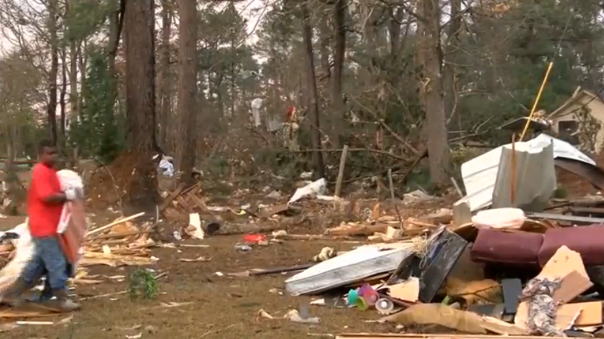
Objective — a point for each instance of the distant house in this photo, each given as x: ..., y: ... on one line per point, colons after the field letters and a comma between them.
x: 580, y: 120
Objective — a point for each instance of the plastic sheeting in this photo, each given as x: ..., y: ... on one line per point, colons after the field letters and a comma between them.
x: 479, y: 174
x: 24, y: 251
x: 256, y: 105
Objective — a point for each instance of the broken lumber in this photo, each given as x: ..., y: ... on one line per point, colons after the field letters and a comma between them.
x: 116, y: 222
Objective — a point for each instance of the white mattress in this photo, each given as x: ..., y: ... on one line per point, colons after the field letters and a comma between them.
x: 361, y: 263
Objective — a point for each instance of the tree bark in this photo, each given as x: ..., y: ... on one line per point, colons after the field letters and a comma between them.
x: 164, y: 73
x: 449, y: 76
x: 140, y: 98
x: 431, y: 90
x: 73, y: 74
x: 313, y: 109
x: 62, y: 102
x: 54, y: 70
x: 82, y: 65
x: 187, y: 141
x: 116, y: 22
x: 326, y: 31
x: 339, y: 15
x: 73, y: 81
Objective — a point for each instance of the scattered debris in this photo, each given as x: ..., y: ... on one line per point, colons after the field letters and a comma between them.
x: 198, y: 259
x: 313, y: 189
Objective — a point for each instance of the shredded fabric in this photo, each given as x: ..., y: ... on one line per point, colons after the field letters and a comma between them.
x: 542, y: 307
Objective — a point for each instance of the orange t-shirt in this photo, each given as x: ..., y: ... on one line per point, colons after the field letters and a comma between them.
x: 43, y: 217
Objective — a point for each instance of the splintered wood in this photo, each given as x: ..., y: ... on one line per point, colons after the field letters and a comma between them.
x: 180, y: 203
x: 120, y: 243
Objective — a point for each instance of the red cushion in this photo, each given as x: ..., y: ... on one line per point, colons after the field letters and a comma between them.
x: 516, y: 248
x: 587, y: 240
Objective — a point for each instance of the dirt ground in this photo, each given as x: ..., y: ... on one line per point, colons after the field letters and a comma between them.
x: 222, y: 306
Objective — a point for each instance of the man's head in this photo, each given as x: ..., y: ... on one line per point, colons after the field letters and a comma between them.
x: 46, y: 153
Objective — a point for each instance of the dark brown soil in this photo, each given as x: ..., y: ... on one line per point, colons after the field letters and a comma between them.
x: 107, y: 183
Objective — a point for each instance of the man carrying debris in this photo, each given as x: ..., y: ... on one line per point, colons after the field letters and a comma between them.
x: 44, y: 206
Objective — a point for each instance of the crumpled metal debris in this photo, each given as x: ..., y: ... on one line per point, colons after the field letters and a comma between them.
x: 542, y: 308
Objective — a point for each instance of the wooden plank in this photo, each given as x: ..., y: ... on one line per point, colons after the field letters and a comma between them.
x: 199, y: 203
x: 116, y: 222
x: 183, y: 204
x: 171, y: 197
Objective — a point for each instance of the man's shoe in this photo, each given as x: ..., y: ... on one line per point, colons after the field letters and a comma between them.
x: 64, y: 304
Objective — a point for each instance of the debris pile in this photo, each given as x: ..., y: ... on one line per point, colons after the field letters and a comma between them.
x: 180, y: 203
x: 507, y: 259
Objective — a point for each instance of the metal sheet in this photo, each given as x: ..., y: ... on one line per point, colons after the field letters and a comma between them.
x: 591, y: 173
x: 479, y: 174
x: 535, y: 180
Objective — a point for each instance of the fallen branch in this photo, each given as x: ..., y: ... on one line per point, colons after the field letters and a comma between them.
x: 399, y: 138
x: 119, y: 235
x: 116, y: 222
x: 311, y: 237
x: 370, y: 150
x: 412, y: 166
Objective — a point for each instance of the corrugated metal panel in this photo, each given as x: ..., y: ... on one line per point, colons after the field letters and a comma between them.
x: 479, y: 174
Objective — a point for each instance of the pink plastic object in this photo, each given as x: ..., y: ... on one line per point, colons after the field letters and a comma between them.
x: 369, y: 294
x: 500, y: 218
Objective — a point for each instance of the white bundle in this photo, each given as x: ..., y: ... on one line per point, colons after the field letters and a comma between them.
x: 24, y: 248
x: 24, y: 245
x: 70, y: 180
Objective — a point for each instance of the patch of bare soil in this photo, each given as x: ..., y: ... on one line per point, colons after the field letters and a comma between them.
x: 108, y: 183
x: 222, y: 307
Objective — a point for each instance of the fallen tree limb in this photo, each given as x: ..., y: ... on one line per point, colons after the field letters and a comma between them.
x: 369, y: 150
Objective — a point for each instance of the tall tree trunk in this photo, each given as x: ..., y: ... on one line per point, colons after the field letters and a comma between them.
x: 164, y: 73
x: 313, y: 102
x: 116, y: 22
x: 73, y: 81
x: 326, y: 33
x: 140, y: 98
x: 339, y: 15
x: 431, y: 90
x: 82, y: 64
x: 449, y: 76
x: 54, y: 70
x: 233, y: 89
x: 62, y: 96
x: 73, y: 72
x: 187, y: 86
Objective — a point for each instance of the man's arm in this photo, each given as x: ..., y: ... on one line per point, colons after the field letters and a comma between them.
x: 43, y: 181
x: 54, y: 199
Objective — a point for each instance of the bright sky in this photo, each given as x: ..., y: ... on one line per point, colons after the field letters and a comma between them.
x: 252, y: 10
